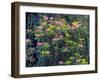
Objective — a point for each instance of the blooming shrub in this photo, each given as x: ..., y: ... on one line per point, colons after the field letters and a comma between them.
x: 56, y: 39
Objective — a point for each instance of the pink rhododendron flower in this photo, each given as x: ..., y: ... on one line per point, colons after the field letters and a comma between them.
x: 58, y: 22
x: 40, y: 43
x: 51, y: 18
x: 45, y: 18
x: 61, y: 62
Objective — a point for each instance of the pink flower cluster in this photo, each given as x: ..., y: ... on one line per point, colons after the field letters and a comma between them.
x: 58, y: 22
x: 45, y: 18
x: 40, y: 43
x: 61, y: 62
x: 51, y: 18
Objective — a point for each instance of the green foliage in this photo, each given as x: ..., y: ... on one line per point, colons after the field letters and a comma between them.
x: 68, y: 62
x: 84, y: 61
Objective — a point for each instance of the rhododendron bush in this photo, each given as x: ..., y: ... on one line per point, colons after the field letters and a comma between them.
x: 56, y: 39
